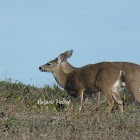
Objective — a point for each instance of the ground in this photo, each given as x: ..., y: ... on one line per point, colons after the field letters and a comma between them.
x: 22, y: 117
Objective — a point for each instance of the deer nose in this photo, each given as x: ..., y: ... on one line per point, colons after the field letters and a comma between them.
x: 40, y: 68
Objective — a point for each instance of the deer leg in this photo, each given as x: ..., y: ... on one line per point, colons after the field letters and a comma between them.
x: 88, y: 96
x: 110, y: 103
x: 95, y: 96
x: 117, y: 99
x: 109, y: 99
x: 80, y: 98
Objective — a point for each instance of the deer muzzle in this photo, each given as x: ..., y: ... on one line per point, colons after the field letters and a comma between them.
x: 41, y: 69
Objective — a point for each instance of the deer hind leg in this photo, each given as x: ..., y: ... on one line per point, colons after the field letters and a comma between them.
x: 80, y: 98
x: 116, y: 95
x: 107, y: 93
x: 118, y: 100
x: 110, y: 101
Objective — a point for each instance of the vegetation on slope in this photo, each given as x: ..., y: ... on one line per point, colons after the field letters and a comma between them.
x: 28, y: 112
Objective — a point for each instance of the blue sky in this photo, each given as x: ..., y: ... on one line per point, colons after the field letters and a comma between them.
x: 33, y: 32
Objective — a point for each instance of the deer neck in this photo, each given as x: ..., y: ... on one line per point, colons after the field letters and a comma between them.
x: 60, y: 77
x: 67, y: 68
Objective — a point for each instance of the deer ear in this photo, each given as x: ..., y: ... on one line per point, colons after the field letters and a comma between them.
x: 61, y: 58
x: 69, y: 53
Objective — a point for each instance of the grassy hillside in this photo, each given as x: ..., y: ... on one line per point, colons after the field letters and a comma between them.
x: 28, y: 112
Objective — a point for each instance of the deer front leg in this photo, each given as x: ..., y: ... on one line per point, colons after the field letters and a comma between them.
x: 80, y: 98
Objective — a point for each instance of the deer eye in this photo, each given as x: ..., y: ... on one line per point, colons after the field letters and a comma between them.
x: 48, y: 64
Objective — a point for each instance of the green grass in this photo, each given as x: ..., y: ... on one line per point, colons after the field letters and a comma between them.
x: 21, y: 117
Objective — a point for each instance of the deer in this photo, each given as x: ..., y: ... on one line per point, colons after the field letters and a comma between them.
x: 103, y: 77
x: 132, y: 75
x: 67, y: 68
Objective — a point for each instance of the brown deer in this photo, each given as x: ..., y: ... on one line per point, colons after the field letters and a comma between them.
x: 132, y: 75
x: 67, y: 68
x: 104, y: 77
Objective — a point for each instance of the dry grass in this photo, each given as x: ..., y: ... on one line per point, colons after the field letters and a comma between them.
x: 22, y: 118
